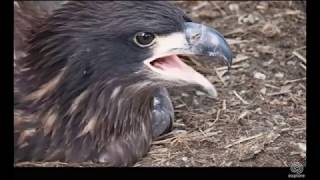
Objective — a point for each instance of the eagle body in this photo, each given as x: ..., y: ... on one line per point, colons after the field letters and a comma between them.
x: 83, y: 90
x: 70, y: 107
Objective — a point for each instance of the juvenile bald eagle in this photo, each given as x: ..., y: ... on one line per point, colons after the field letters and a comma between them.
x: 91, y: 77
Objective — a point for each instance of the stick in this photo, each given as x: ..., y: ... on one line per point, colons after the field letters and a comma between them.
x: 303, y: 66
x: 243, y: 114
x: 236, y: 41
x: 271, y: 86
x: 224, y: 105
x: 300, y: 56
x: 217, y: 117
x: 242, y: 140
x: 238, y: 30
x: 294, y: 80
x: 240, y: 59
x: 226, y: 67
x: 278, y: 93
x: 239, y: 97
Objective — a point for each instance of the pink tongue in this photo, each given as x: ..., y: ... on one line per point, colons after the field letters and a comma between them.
x: 172, y: 62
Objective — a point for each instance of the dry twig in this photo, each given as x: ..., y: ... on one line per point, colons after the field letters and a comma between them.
x: 243, y: 140
x: 241, y: 99
x: 303, y: 59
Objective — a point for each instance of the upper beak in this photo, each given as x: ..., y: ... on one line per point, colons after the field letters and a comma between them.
x: 206, y: 41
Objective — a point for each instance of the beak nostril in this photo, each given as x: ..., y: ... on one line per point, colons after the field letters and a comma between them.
x: 195, y: 37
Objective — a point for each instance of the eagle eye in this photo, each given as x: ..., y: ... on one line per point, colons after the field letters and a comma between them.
x: 144, y: 39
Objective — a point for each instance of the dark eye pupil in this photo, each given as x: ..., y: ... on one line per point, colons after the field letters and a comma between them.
x: 145, y: 38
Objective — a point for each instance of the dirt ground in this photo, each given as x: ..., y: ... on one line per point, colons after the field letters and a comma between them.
x: 259, y: 118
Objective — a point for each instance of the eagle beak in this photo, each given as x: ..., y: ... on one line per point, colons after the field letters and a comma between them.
x: 195, y: 40
x: 205, y: 41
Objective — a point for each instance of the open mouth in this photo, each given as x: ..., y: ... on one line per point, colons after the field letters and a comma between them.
x: 175, y: 68
x: 172, y: 63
